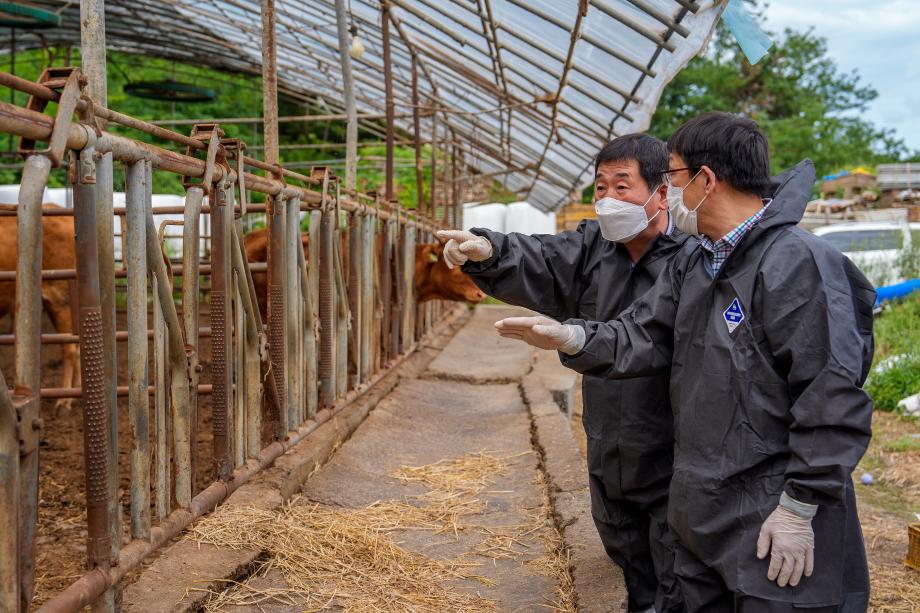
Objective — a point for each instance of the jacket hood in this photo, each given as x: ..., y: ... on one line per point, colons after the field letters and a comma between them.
x: 790, y: 191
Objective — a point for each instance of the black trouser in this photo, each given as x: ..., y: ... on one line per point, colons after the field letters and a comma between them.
x: 705, y: 592
x: 636, y: 537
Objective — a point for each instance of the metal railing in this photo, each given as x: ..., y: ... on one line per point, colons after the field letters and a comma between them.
x: 337, y: 319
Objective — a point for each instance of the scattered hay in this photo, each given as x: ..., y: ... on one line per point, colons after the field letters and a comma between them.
x: 344, y: 556
x: 348, y: 558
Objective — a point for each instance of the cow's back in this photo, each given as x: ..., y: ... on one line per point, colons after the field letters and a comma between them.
x: 57, y: 253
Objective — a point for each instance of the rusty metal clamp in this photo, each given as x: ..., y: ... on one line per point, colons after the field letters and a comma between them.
x: 235, y: 147
x: 211, y: 133
x: 70, y: 81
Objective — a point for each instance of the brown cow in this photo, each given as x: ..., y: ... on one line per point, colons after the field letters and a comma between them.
x: 57, y: 252
x: 433, y: 279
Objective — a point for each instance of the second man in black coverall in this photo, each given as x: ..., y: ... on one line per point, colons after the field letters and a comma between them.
x: 581, y: 274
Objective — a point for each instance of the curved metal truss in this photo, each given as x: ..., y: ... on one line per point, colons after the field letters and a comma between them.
x: 528, y: 90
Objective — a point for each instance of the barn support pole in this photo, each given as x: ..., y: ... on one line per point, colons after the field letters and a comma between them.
x: 433, y: 206
x: 355, y: 256
x: 9, y: 502
x: 276, y: 307
x: 417, y: 139
x: 92, y: 48
x: 137, y: 200
x: 239, y: 370
x: 348, y: 80
x: 221, y: 324
x: 384, y: 270
x: 96, y: 437
x: 27, y: 381
x: 389, y: 194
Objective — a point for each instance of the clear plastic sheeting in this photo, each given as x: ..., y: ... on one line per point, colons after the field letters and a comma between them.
x: 519, y: 91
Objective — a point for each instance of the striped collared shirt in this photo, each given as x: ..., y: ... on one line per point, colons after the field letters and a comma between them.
x: 720, y: 250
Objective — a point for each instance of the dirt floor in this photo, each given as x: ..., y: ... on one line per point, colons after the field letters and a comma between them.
x: 885, y: 507
x: 61, y: 533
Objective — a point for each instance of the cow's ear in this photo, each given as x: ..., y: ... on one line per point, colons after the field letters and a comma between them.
x: 433, y: 256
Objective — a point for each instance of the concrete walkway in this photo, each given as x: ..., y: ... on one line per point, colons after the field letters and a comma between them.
x: 531, y: 532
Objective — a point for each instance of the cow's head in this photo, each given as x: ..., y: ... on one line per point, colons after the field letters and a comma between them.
x: 435, y: 281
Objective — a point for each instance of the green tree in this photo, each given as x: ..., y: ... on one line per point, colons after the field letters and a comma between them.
x: 806, y: 105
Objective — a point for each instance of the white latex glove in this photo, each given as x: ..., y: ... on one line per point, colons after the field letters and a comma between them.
x: 462, y: 246
x: 543, y: 333
x: 789, y: 538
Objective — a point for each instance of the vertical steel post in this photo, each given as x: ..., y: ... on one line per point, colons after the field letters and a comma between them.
x: 191, y: 254
x: 160, y: 404
x: 341, y: 318
x: 27, y: 380
x: 293, y: 357
x: 307, y: 301
x: 96, y: 439
x: 9, y: 502
x: 327, y: 297
x: 433, y: 207
x: 417, y: 139
x: 137, y: 199
x: 221, y: 324
x: 313, y: 264
x: 386, y: 286
x: 92, y: 49
x: 240, y: 393
x: 355, y: 246
x: 348, y: 80
x: 389, y: 193
x: 395, y: 234
x: 407, y: 299
x: 275, y: 222
x: 454, y: 193
x: 367, y: 293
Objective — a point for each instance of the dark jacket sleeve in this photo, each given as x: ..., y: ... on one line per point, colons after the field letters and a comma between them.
x: 540, y: 272
x: 639, y: 342
x: 818, y: 323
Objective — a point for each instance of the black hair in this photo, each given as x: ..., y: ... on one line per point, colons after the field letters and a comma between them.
x: 649, y: 153
x: 734, y: 147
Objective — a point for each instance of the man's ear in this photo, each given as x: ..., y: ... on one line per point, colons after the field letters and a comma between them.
x: 662, y: 193
x: 711, y: 179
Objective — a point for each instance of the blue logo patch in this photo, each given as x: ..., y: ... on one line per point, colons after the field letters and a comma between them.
x: 733, y: 315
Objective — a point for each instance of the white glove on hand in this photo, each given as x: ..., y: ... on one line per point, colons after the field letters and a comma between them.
x: 543, y: 333
x: 462, y: 246
x: 789, y: 538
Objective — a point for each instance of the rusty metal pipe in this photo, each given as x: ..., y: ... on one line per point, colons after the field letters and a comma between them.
x: 327, y: 314
x: 417, y: 138
x: 388, y: 85
x: 221, y: 325
x: 178, y: 365
x: 27, y: 379
x: 9, y: 502
x: 137, y: 200
x: 91, y: 585
x: 92, y: 368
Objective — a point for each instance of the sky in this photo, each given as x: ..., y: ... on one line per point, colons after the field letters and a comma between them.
x: 880, y: 39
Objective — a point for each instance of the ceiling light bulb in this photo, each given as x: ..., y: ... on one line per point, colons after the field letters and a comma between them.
x: 357, y: 48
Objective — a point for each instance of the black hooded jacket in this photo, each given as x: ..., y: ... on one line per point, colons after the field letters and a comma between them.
x: 765, y: 401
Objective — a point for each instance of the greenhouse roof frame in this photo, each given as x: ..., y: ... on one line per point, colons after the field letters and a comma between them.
x: 530, y: 90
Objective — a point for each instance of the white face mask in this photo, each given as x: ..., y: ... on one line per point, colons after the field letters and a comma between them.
x: 684, y: 218
x: 622, y: 221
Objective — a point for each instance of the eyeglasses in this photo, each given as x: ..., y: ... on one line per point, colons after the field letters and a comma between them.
x: 666, y: 176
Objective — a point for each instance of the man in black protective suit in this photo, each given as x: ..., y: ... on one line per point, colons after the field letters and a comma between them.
x: 595, y: 272
x: 767, y: 332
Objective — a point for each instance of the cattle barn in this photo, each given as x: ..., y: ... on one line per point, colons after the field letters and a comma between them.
x: 163, y: 350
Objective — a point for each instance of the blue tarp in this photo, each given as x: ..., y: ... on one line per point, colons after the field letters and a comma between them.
x: 898, y: 290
